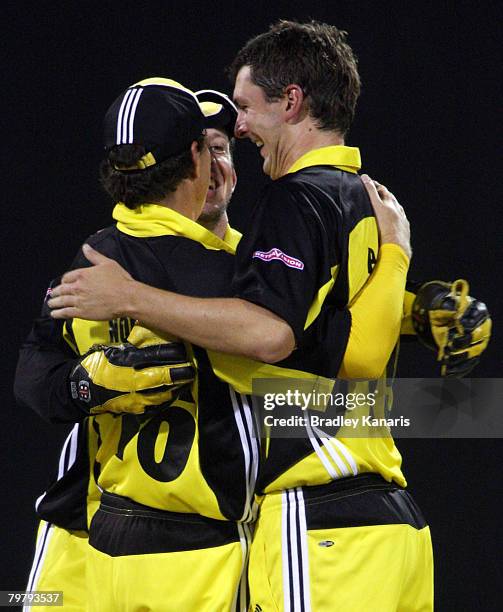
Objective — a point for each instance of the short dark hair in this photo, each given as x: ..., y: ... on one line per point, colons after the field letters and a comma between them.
x: 314, y: 56
x: 135, y: 187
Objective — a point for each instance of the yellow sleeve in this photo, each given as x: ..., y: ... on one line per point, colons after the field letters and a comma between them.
x: 376, y: 315
x: 407, y: 328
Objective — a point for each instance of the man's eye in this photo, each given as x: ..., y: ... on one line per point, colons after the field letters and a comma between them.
x: 217, y: 149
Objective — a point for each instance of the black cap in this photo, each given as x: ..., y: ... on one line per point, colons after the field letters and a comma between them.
x: 157, y: 113
x: 219, y: 110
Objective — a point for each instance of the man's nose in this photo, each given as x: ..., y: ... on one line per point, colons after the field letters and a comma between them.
x: 214, y: 162
x: 240, y: 129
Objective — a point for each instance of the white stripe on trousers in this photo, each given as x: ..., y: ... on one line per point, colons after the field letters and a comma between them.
x: 38, y: 561
x: 295, y: 560
x: 241, y: 599
x: 66, y: 460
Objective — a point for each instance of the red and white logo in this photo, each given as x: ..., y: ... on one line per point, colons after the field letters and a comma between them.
x: 275, y: 253
x: 84, y: 391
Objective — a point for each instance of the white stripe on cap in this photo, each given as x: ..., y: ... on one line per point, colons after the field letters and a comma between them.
x: 125, y: 120
x: 131, y: 118
x: 218, y: 93
x: 126, y: 97
x: 126, y: 117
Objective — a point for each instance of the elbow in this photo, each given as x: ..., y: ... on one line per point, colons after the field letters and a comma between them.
x: 25, y: 400
x: 275, y: 346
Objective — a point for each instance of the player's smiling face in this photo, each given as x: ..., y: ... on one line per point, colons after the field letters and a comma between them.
x: 223, y: 176
x: 261, y: 121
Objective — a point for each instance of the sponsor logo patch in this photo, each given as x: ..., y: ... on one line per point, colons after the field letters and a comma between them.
x: 275, y: 253
x: 84, y: 392
x: 326, y: 543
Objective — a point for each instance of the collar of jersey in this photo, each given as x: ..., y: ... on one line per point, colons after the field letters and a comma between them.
x: 232, y: 236
x: 340, y: 156
x: 151, y: 220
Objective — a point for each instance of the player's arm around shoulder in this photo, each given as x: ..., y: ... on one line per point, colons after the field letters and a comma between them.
x: 376, y: 314
x: 62, y: 386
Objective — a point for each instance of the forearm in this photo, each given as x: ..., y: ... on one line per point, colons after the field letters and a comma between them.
x: 228, y: 325
x: 376, y: 316
x: 41, y: 380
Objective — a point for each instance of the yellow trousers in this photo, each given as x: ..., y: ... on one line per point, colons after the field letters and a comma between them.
x: 300, y: 563
x: 59, y: 565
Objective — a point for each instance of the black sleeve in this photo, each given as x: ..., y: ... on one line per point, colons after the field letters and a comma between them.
x: 46, y: 359
x: 279, y: 261
x: 44, y: 364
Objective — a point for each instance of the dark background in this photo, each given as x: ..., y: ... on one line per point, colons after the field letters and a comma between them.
x: 427, y: 128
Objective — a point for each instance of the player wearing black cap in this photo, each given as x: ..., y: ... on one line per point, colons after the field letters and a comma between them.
x: 146, y: 231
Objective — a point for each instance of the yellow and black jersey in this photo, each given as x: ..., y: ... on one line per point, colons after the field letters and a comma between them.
x: 201, y: 454
x: 312, y: 247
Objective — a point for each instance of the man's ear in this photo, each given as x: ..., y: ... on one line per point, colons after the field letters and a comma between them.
x: 294, y: 97
x: 234, y: 179
x: 196, y: 160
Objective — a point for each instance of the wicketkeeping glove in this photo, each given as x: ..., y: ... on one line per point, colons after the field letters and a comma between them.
x: 128, y: 378
x: 449, y: 321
